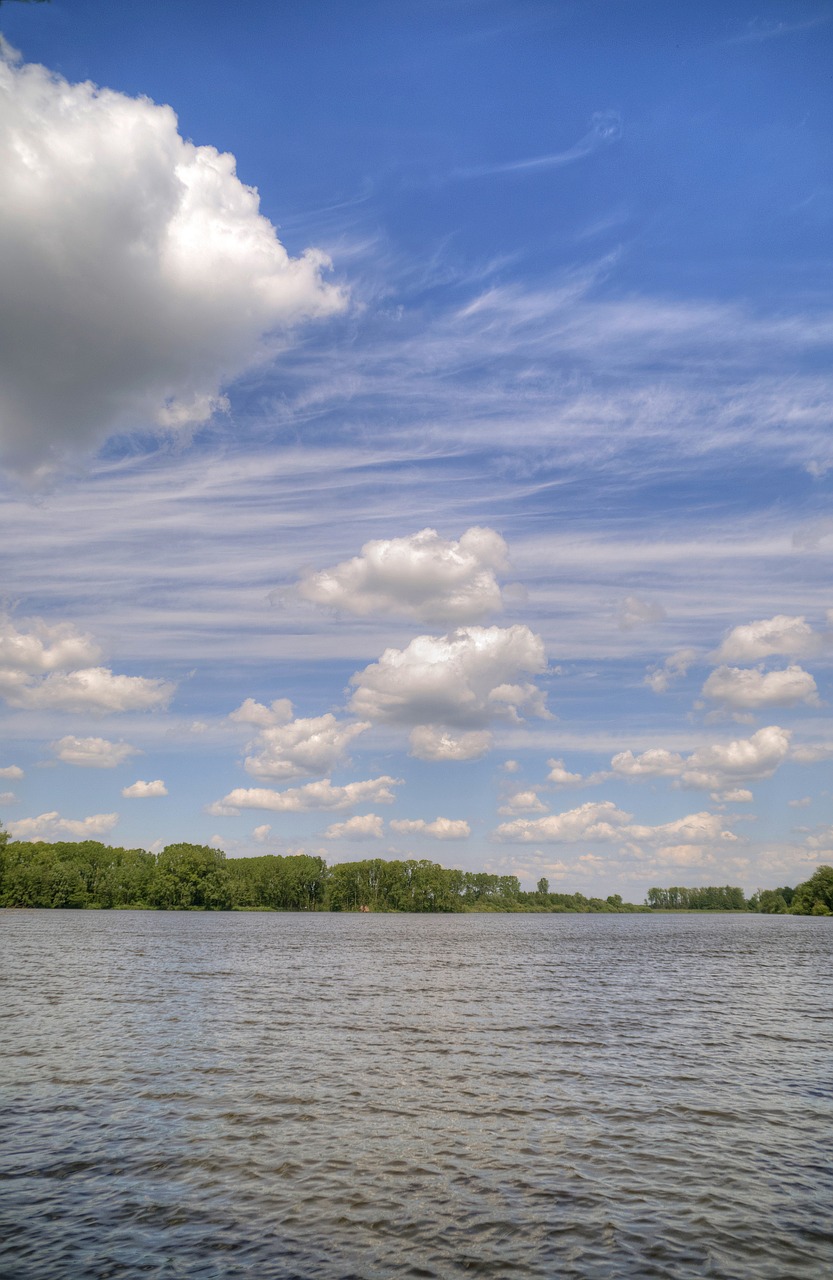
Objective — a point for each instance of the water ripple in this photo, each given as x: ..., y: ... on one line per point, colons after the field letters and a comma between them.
x: 299, y: 1097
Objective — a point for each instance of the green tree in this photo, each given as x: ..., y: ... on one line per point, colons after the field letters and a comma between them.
x: 815, y: 896
x: 191, y: 877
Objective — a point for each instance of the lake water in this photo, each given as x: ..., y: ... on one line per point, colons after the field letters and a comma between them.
x: 295, y: 1096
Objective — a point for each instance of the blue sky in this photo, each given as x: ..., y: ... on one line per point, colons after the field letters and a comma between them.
x: 415, y: 431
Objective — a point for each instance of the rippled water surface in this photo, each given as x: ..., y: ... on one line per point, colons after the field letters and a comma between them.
x: 278, y: 1096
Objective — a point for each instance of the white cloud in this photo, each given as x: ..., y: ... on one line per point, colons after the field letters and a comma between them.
x: 654, y: 763
x: 365, y: 826
x: 43, y: 667
x: 465, y: 679
x: 314, y: 795
x: 801, y: 803
x: 95, y: 689
x: 421, y: 576
x: 675, y: 665
x: 439, y: 829
x: 145, y: 790
x: 735, y: 795
x: 51, y: 826
x: 603, y: 821
x: 42, y: 647
x: 560, y: 776
x: 711, y: 768
x: 592, y: 821
x: 510, y: 766
x: 151, y: 245
x: 92, y: 753
x: 431, y: 743
x: 523, y: 802
x: 751, y: 688
x: 7, y: 797
x: 783, y: 634
x: 13, y: 771
x: 302, y: 747
x: 635, y: 613
x: 261, y: 834
x: 252, y: 712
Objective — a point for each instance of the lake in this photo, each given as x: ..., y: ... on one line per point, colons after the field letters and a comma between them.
x: 284, y: 1096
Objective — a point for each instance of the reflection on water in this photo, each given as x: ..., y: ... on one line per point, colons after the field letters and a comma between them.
x: 277, y: 1096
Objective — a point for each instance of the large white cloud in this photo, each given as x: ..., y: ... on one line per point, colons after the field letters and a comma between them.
x: 790, y: 636
x: 421, y: 576
x: 603, y: 821
x: 136, y: 271
x: 95, y: 689
x: 92, y: 753
x: 51, y: 826
x: 141, y: 790
x: 751, y: 688
x: 45, y: 667
x: 40, y: 647
x: 439, y: 829
x: 312, y: 796
x: 464, y: 680
x: 364, y: 826
x: 303, y: 747
x: 711, y: 768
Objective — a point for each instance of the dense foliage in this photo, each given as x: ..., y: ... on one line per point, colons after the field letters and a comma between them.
x: 189, y: 877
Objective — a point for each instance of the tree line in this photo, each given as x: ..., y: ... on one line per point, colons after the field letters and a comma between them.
x: 189, y: 877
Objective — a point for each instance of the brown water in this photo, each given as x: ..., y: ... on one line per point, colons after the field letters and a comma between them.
x: 276, y: 1096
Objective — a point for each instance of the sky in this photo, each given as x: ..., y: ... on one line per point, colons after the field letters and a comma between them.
x: 415, y: 432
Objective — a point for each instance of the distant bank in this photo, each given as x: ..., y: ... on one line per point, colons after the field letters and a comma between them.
x: 192, y: 877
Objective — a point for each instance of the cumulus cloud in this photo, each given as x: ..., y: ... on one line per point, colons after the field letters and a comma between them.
x: 312, y: 796
x: 421, y: 576
x: 302, y: 747
x: 294, y: 748
x: 431, y: 743
x: 751, y: 688
x: 151, y: 245
x: 7, y: 797
x: 592, y: 821
x: 145, y: 790
x: 465, y: 679
x: 255, y: 713
x: 365, y: 826
x: 561, y: 776
x: 51, y: 826
x: 711, y: 768
x: 95, y: 689
x: 439, y: 829
x: 735, y: 795
x: 43, y: 667
x: 790, y: 636
x: 510, y: 766
x: 261, y: 834
x: 40, y: 647
x: 92, y: 753
x: 603, y: 821
x: 673, y: 668
x: 11, y: 771
x: 523, y: 802
x: 635, y: 613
